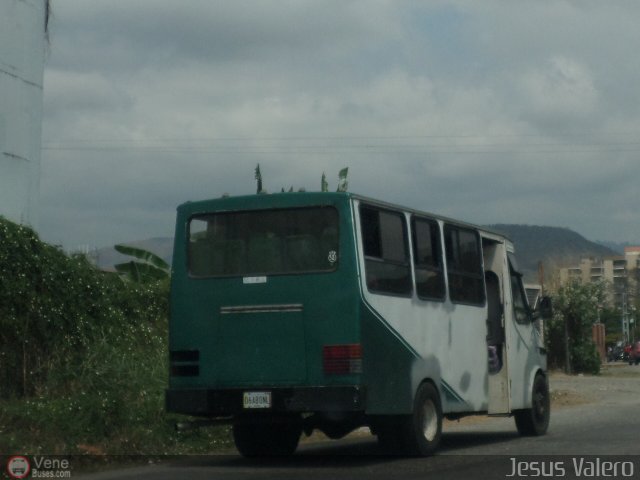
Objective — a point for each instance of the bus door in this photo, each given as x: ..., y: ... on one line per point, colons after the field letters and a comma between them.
x: 494, y: 256
x: 523, y: 340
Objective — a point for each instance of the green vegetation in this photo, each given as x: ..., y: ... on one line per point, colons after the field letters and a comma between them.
x: 84, y: 357
x: 611, y: 317
x: 148, y: 267
x: 343, y: 184
x: 575, y: 311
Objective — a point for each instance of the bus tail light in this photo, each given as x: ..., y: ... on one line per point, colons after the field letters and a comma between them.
x: 342, y: 359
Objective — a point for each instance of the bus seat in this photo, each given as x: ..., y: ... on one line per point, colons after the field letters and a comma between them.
x: 329, y: 240
x: 200, y: 257
x: 495, y: 330
x: 264, y: 253
x: 234, y: 253
x: 302, y: 253
x: 211, y: 257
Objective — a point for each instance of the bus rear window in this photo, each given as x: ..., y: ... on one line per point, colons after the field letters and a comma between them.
x: 263, y: 242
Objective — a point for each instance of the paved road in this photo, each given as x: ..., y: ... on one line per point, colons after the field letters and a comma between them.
x: 597, y: 416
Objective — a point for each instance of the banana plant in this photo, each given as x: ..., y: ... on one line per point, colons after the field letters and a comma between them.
x: 148, y: 267
x: 343, y: 184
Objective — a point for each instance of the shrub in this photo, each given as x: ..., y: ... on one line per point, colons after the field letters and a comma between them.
x: 54, y: 308
x: 575, y: 305
x: 84, y: 357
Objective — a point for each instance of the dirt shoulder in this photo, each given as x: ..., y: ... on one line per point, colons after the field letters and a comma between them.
x: 617, y: 384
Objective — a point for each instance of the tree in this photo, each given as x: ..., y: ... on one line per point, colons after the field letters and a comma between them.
x: 258, y: 177
x: 575, y: 311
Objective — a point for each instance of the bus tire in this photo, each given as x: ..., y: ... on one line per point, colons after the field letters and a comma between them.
x: 424, y: 427
x: 259, y: 437
x: 534, y: 421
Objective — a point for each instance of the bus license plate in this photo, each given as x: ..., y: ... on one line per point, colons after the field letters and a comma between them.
x: 256, y: 400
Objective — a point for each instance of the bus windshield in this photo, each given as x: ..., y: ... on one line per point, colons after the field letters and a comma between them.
x: 263, y: 242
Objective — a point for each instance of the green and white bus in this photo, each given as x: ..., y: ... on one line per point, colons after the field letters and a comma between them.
x: 299, y: 311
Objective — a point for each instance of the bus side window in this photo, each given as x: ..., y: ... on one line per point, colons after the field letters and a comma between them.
x: 464, y: 265
x: 384, y: 238
x: 520, y: 304
x: 427, y: 259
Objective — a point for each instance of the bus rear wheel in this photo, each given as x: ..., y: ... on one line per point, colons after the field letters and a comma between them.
x: 534, y: 421
x: 423, y: 429
x: 266, y: 437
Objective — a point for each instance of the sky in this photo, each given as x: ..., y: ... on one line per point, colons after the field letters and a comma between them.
x: 490, y: 112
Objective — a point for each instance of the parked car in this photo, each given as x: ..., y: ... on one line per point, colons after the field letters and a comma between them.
x: 634, y: 353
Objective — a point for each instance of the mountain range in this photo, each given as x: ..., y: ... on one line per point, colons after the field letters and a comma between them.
x: 553, y: 246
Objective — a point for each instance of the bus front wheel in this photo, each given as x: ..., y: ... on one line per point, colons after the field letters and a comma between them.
x: 258, y: 437
x: 534, y: 421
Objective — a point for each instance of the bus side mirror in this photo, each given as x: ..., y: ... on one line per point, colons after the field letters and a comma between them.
x: 545, y: 308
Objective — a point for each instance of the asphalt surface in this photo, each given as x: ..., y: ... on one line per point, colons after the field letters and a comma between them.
x: 594, y: 420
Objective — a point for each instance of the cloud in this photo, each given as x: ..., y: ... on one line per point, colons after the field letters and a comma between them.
x: 491, y: 112
x: 561, y: 92
x: 76, y: 94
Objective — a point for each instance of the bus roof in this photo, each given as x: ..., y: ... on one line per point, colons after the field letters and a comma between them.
x: 296, y: 199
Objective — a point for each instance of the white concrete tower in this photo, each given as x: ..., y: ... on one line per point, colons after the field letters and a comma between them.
x: 22, y: 46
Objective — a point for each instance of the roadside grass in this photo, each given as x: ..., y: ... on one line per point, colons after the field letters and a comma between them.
x: 114, y: 405
x: 51, y: 427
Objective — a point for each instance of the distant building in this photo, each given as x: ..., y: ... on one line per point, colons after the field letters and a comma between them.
x: 632, y: 254
x: 23, y: 25
x: 620, y: 274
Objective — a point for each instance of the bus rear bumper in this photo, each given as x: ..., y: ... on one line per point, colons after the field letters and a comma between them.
x: 227, y: 402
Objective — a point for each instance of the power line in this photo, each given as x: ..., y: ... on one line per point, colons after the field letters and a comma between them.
x: 408, y: 144
x: 634, y: 134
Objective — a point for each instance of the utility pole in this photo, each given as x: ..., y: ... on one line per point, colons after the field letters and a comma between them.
x: 625, y: 320
x: 567, y: 356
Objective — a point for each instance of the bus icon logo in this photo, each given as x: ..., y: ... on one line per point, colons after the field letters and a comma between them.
x: 18, y: 467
